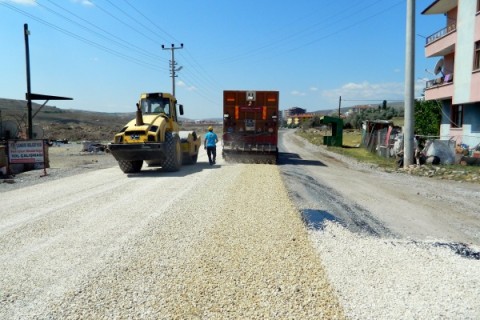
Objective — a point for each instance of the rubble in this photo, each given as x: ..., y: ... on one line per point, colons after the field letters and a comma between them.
x: 442, y: 172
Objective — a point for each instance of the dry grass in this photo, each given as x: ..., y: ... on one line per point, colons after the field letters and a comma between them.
x: 351, y: 146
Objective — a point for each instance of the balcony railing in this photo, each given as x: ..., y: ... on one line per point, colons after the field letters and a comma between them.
x: 442, y: 33
x: 448, y: 78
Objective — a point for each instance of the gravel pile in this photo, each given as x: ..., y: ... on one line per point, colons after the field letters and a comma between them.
x: 398, y: 279
x: 226, y: 245
x: 444, y: 173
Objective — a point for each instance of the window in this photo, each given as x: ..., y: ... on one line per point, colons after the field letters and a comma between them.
x: 476, y: 57
x: 457, y: 116
x: 156, y: 105
x: 478, y: 5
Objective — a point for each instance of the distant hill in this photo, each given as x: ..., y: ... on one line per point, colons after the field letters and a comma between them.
x: 70, y: 124
x: 395, y: 105
x: 63, y: 124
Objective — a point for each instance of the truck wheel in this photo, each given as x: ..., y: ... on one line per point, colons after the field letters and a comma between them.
x: 173, y: 160
x: 130, y: 166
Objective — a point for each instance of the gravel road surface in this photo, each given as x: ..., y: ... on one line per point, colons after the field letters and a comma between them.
x: 364, y: 199
x: 205, y: 242
x: 230, y: 242
x: 394, y: 246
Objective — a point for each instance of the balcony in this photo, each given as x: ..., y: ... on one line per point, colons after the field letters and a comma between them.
x: 440, y: 88
x: 441, y: 42
x: 442, y: 33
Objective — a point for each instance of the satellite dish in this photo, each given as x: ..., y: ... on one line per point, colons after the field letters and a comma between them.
x: 439, y: 67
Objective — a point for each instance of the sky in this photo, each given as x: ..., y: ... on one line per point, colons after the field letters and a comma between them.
x: 105, y: 53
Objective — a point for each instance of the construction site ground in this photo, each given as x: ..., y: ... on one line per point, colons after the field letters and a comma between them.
x: 315, y: 236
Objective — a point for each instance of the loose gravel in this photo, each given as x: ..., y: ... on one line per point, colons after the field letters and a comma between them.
x: 221, y: 242
x: 227, y: 244
x: 398, y: 279
x: 405, y: 275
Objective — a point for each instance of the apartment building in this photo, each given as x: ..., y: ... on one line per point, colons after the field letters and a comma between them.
x: 293, y: 111
x: 297, y: 119
x: 456, y: 87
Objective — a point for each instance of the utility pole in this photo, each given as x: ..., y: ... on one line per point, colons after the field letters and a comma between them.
x: 339, y: 105
x: 409, y: 85
x: 29, y: 88
x: 173, y: 64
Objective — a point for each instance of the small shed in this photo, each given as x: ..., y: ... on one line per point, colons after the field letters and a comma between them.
x: 379, y: 136
x: 336, y: 139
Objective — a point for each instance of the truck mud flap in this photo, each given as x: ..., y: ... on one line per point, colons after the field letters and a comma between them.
x: 256, y: 154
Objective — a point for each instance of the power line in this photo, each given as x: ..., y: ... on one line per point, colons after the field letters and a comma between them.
x: 83, y: 39
x: 189, y: 59
x: 202, y: 72
x: 124, y: 23
x: 116, y: 40
x: 366, y: 100
x: 149, y: 20
x: 344, y: 29
x: 108, y: 38
x: 195, y: 72
x: 305, y: 32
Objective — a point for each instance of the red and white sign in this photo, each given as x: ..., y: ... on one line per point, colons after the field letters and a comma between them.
x: 26, y: 151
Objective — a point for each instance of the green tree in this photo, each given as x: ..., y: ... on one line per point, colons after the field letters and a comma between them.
x: 427, y: 118
x: 356, y: 119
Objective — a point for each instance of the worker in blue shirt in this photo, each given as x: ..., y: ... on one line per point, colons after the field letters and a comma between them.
x: 211, y: 145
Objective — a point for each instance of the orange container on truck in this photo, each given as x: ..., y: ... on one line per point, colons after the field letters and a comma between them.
x: 250, y: 126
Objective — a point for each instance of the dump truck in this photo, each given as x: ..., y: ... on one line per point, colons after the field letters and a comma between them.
x: 154, y: 137
x: 250, y: 126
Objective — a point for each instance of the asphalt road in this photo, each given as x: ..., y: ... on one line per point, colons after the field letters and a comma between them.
x: 325, y: 186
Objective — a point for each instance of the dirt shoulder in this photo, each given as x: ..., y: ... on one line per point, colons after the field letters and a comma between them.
x: 65, y: 160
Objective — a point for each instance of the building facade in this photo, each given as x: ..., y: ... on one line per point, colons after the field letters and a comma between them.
x: 297, y: 119
x: 456, y: 87
x: 293, y: 111
x: 289, y: 114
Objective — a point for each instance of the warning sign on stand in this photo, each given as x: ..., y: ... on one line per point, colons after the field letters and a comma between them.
x: 26, y: 151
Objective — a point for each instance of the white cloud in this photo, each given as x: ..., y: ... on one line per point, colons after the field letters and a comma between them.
x: 22, y: 2
x: 313, y: 89
x: 86, y: 3
x: 372, y: 91
x: 420, y: 85
x: 182, y: 84
x: 297, y: 93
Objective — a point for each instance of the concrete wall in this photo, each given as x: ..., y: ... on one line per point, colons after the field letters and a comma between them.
x: 471, y: 127
x: 464, y: 51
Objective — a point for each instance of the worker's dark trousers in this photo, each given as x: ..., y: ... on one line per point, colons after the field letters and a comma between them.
x: 212, y: 154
